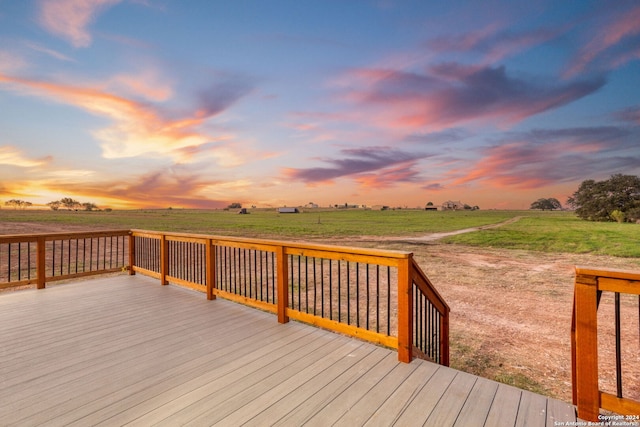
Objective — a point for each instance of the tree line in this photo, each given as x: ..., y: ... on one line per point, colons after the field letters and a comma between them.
x: 613, y: 199
x: 72, y: 205
x: 67, y: 202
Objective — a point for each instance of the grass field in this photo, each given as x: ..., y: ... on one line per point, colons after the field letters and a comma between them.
x: 560, y: 232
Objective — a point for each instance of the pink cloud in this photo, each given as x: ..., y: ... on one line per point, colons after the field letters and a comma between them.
x: 493, y: 42
x: 450, y: 94
x: 612, y: 44
x: 376, y: 167
x: 69, y: 19
x: 548, y: 157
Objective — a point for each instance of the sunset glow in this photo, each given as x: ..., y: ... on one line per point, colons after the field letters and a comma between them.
x: 199, y: 104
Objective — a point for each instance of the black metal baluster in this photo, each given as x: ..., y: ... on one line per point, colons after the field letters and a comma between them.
x: 315, y: 287
x: 388, y: 300
x: 322, y: 287
x: 348, y: 295
x: 339, y: 293
x: 368, y: 297
x: 306, y: 284
x: 358, y: 294
x: 618, y: 346
x: 377, y: 298
x: 330, y: 290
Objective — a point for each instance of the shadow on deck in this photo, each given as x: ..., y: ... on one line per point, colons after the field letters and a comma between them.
x: 125, y: 350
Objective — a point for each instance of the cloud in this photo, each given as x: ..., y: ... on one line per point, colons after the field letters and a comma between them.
x: 221, y: 94
x: 451, y: 94
x: 493, y: 42
x: 172, y: 186
x: 360, y: 163
x: 435, y: 186
x: 11, y: 62
x: 146, y: 83
x: 138, y: 128
x: 12, y: 156
x: 49, y: 52
x: 69, y: 19
x: 631, y: 114
x: 390, y: 176
x: 549, y: 156
x: 611, y: 44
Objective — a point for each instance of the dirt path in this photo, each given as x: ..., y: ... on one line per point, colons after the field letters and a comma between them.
x: 436, y: 236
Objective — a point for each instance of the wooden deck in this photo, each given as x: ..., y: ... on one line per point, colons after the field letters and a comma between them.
x: 124, y: 350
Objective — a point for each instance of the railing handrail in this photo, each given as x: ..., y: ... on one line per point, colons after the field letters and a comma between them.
x: 383, y: 253
x: 32, y: 237
x: 428, y: 289
x: 589, y: 284
x: 37, y: 258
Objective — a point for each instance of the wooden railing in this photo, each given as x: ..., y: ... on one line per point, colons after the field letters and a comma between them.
x: 365, y: 293
x: 29, y: 259
x: 377, y: 295
x: 589, y: 287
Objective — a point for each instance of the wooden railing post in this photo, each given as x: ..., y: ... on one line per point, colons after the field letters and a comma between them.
x: 444, y: 339
x: 41, y: 258
x: 164, y: 259
x: 586, y: 347
x: 210, y: 255
x: 405, y: 311
x: 132, y: 254
x: 283, y: 284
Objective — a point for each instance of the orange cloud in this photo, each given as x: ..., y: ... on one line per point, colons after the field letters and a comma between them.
x: 69, y: 19
x: 138, y: 129
x: 14, y: 157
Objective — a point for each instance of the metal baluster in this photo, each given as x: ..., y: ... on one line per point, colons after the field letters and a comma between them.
x: 388, y: 300
x: 315, y: 287
x: 358, y: 294
x: 618, y: 346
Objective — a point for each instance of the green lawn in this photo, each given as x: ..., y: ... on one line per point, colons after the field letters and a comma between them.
x: 559, y: 232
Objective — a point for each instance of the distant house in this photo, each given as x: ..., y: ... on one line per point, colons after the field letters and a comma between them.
x: 288, y: 210
x: 451, y: 205
x: 431, y: 208
x: 379, y: 207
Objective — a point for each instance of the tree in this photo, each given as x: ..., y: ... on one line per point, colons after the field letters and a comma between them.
x: 544, y: 204
x: 235, y: 205
x: 89, y: 206
x: 69, y: 203
x: 18, y: 203
x: 597, y: 200
x: 55, y: 205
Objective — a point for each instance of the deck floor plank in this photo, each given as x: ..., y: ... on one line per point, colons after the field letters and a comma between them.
x: 119, y: 350
x: 476, y: 408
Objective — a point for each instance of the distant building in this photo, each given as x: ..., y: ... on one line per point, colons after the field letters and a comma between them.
x: 451, y: 205
x: 288, y: 210
x: 431, y: 208
x: 379, y: 207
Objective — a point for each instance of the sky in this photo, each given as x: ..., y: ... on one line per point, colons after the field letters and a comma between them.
x: 203, y: 103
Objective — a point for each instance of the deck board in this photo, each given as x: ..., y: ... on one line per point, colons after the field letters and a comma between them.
x: 119, y: 350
